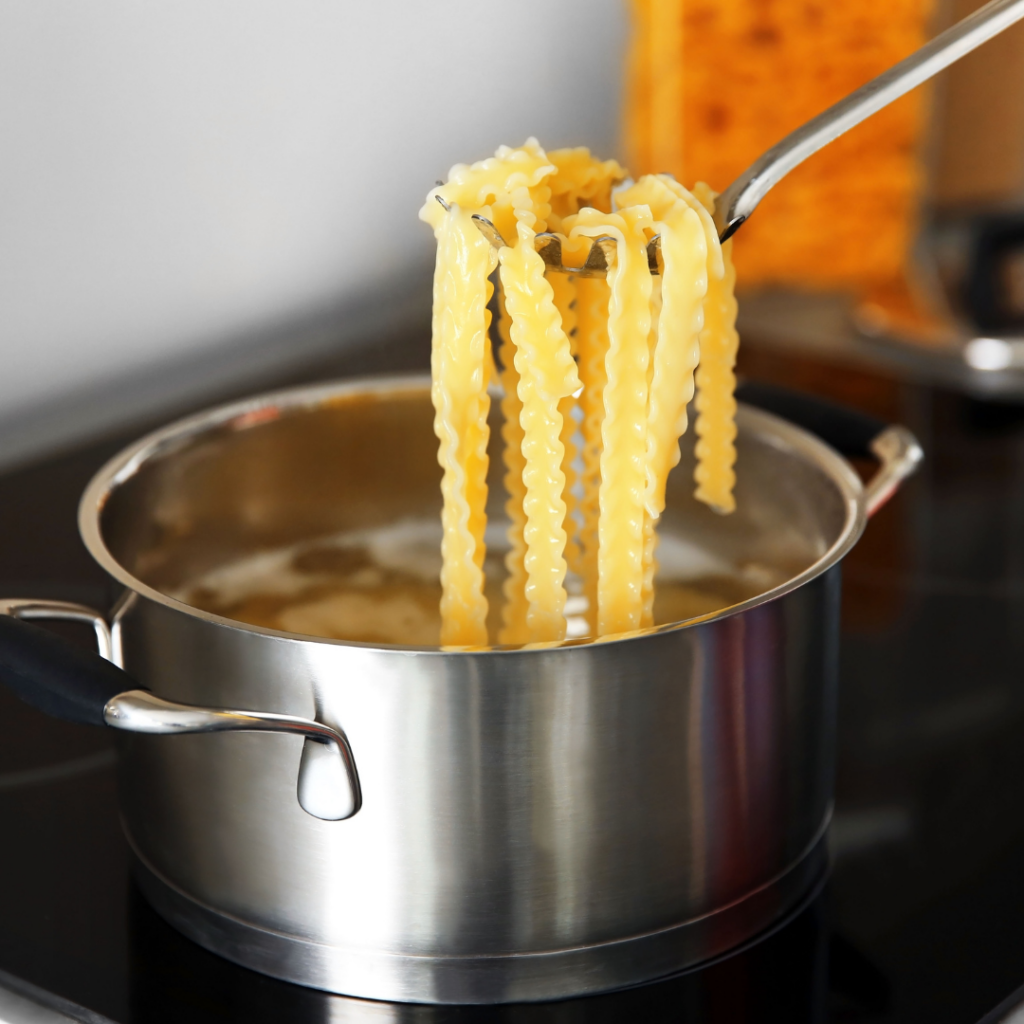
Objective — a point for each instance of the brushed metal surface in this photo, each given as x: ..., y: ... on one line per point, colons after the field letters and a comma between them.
x: 531, y: 817
x: 552, y: 975
x: 512, y: 801
x: 29, y: 609
x: 328, y: 783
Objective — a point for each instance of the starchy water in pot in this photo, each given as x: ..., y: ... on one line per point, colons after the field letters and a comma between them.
x: 382, y: 586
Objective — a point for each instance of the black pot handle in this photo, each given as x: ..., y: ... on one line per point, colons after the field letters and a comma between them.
x: 67, y: 682
x: 851, y: 432
x: 50, y: 673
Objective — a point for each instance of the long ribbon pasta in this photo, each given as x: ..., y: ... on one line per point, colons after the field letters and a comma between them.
x: 513, y: 614
x: 716, y: 382
x: 684, y: 256
x: 461, y: 405
x: 641, y: 344
x: 563, y: 288
x: 547, y: 373
x: 592, y: 341
x: 623, y: 431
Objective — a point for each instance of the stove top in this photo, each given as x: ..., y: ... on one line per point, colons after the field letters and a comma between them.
x: 922, y: 917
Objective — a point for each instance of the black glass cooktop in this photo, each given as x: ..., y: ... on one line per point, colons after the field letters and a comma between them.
x: 922, y: 918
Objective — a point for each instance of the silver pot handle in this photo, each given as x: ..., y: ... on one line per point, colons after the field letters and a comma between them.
x: 328, y: 781
x: 28, y: 608
x: 69, y: 683
x: 899, y: 455
x: 852, y: 432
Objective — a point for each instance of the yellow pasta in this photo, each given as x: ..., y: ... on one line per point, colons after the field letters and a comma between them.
x: 623, y: 433
x: 684, y: 260
x: 563, y: 287
x: 650, y: 533
x: 478, y: 433
x: 513, y: 614
x: 460, y: 402
x: 637, y: 340
x: 716, y: 384
x: 563, y: 294
x: 547, y: 373
x: 580, y: 180
x: 592, y: 342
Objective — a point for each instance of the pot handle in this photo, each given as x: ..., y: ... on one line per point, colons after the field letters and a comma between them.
x: 851, y: 432
x: 64, y: 681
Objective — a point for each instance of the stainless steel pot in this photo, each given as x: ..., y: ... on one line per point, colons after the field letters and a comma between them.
x: 423, y: 825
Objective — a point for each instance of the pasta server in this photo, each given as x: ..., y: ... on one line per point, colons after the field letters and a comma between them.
x: 549, y: 245
x: 741, y: 198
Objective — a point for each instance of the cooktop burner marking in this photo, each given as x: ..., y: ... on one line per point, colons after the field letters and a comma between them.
x: 57, y: 772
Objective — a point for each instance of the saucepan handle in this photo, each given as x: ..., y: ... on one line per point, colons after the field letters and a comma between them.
x: 851, y: 432
x: 73, y: 684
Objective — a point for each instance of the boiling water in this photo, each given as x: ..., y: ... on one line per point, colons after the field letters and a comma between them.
x: 382, y: 586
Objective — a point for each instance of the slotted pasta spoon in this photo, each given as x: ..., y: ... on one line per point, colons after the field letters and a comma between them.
x: 740, y: 199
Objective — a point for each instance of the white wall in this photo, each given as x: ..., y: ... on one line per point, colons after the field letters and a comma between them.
x: 177, y: 177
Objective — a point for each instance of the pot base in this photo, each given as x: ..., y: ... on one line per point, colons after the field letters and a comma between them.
x: 517, y: 978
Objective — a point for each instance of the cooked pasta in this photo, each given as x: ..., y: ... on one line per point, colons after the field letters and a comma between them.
x: 650, y: 533
x: 592, y: 342
x: 461, y: 404
x: 513, y: 614
x: 623, y: 430
x: 547, y: 373
x: 581, y: 180
x: 564, y: 289
x: 609, y: 361
x: 684, y: 253
x: 716, y: 382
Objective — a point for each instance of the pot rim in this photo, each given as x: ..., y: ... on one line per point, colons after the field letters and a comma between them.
x: 268, y: 406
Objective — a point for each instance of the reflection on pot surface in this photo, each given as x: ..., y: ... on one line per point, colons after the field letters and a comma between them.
x: 518, y: 824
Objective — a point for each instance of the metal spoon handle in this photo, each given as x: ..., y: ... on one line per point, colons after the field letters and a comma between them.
x: 740, y: 199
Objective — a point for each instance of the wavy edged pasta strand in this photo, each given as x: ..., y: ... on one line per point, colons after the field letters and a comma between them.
x: 592, y: 299
x: 563, y: 287
x: 684, y: 265
x: 638, y: 342
x: 624, y: 428
x: 513, y: 613
x: 547, y: 373
x: 461, y: 405
x: 716, y: 382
